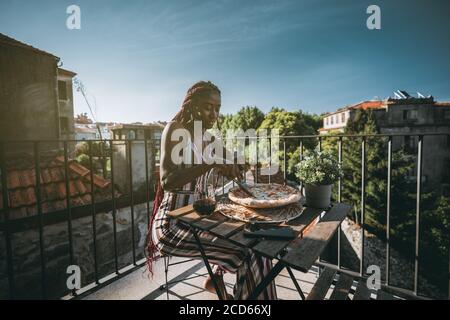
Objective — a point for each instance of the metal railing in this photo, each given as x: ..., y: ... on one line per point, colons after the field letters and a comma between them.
x: 415, y: 292
x: 41, y: 220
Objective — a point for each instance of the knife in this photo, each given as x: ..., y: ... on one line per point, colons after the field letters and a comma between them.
x: 244, y: 188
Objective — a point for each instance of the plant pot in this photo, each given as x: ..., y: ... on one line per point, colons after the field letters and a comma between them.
x: 318, y: 196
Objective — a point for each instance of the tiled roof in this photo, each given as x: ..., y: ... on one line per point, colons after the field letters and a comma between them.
x: 374, y: 104
x: 442, y: 104
x: 369, y: 104
x: 85, y: 130
x: 21, y: 182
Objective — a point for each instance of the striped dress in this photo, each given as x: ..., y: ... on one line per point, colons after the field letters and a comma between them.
x: 173, y: 239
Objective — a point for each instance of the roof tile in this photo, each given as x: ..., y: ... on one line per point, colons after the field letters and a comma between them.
x: 22, y: 191
x: 79, y: 169
x: 82, y: 189
x: 13, y: 180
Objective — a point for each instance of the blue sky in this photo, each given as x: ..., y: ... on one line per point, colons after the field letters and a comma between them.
x: 137, y: 58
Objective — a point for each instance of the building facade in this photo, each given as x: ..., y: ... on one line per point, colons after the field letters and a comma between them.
x: 129, y: 141
x: 409, y: 117
x: 36, y: 99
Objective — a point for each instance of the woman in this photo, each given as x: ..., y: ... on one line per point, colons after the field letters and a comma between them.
x: 181, y: 182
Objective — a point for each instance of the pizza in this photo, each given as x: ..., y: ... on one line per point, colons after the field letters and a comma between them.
x: 265, y: 195
x: 259, y: 215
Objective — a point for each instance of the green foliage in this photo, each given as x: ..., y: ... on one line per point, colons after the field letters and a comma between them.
x: 100, y: 152
x: 319, y: 168
x: 435, y: 212
x: 99, y: 149
x: 291, y: 123
x: 375, y: 166
x: 287, y: 122
x: 83, y: 159
x: 246, y: 118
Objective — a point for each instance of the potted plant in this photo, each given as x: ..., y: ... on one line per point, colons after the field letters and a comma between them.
x: 318, y: 172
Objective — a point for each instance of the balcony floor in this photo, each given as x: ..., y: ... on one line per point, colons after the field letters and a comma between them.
x: 137, y: 285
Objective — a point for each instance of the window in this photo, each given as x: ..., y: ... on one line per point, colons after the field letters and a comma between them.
x: 157, y: 135
x: 64, y: 124
x: 343, y: 117
x: 62, y: 90
x: 131, y: 135
x: 409, y: 114
x: 332, y: 117
x: 326, y: 121
x: 337, y: 118
x: 447, y: 114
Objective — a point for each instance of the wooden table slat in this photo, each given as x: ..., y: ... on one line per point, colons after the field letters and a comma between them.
x: 271, y: 248
x: 303, y: 252
x: 209, y: 222
x: 342, y: 288
x: 191, y: 217
x: 227, y: 228
x: 320, y: 289
x: 180, y: 211
x: 361, y: 292
x: 242, y: 240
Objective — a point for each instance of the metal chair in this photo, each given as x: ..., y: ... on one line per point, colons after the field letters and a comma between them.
x: 167, y: 264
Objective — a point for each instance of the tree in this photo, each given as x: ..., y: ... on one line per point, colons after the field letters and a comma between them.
x: 292, y: 123
x: 100, y: 153
x: 246, y: 118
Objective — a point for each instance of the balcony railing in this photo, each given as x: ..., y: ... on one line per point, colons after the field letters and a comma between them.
x: 132, y: 195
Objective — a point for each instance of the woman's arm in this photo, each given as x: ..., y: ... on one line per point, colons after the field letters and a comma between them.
x: 173, y: 177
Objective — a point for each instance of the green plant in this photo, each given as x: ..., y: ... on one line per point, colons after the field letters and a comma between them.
x: 83, y: 159
x: 319, y: 168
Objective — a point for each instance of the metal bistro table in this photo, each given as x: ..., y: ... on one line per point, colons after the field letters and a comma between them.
x: 314, y: 229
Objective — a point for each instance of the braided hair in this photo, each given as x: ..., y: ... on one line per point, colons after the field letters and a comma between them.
x: 193, y: 95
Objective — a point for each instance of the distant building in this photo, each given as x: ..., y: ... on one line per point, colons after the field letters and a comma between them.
x: 405, y: 114
x: 36, y: 100
x: 65, y: 103
x: 85, y: 132
x: 104, y: 128
x: 129, y: 141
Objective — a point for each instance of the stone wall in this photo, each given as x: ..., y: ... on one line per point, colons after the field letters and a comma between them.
x: 401, y: 267
x: 28, y: 96
x: 26, y: 252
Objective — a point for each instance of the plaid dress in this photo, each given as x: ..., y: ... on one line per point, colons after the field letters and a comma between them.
x: 173, y: 239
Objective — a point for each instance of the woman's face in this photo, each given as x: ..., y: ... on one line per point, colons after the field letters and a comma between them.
x: 208, y: 109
